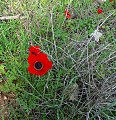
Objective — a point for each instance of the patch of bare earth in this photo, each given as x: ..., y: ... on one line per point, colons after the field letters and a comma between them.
x: 6, y: 99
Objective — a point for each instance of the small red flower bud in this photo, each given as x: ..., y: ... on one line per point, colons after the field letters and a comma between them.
x: 99, y: 11
x: 111, y: 0
x: 34, y: 50
x: 68, y: 15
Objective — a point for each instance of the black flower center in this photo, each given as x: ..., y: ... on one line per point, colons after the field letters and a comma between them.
x: 38, y: 65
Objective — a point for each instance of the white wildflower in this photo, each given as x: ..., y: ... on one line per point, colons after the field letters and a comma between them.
x: 96, y: 34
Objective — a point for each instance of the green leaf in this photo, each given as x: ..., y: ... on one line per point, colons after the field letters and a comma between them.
x: 2, y: 70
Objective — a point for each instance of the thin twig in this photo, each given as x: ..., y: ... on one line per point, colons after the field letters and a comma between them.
x: 12, y: 17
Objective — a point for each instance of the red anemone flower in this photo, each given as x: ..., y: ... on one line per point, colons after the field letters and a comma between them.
x: 99, y: 11
x: 68, y: 15
x: 38, y: 63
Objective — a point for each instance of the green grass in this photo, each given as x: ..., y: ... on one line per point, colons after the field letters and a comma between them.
x: 82, y: 68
